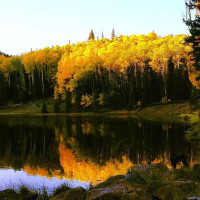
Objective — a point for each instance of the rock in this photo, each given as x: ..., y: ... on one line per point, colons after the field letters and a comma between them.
x: 9, y: 195
x: 135, y: 178
x: 106, y: 196
x: 26, y: 194
x: 78, y: 193
x: 155, y: 197
x: 178, y: 174
x: 114, y: 196
x: 196, y: 172
x: 164, y: 191
x: 115, y: 191
x: 60, y: 189
x: 112, y: 180
x: 193, y: 198
x: 185, y: 186
x: 122, y: 191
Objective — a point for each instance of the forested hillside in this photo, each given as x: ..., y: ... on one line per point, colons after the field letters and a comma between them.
x: 124, y: 72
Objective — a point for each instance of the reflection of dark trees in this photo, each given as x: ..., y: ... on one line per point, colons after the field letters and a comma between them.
x: 35, y: 141
x: 26, y: 144
x: 116, y: 137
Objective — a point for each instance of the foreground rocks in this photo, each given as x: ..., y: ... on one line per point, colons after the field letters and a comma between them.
x: 153, y: 182
x: 78, y: 193
x: 9, y: 195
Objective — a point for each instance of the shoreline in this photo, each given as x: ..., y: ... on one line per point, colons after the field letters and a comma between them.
x: 174, y: 113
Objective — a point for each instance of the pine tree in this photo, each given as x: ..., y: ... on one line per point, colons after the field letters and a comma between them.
x: 77, y: 100
x: 56, y: 107
x: 3, y: 89
x: 95, y: 104
x: 113, y: 34
x: 91, y: 35
x: 193, y: 23
x: 44, y: 107
x: 68, y: 102
x: 102, y: 35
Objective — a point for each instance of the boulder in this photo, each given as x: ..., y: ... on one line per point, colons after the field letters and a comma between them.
x: 185, y: 186
x: 78, y: 193
x: 120, y: 191
x: 9, y: 195
x: 164, y: 191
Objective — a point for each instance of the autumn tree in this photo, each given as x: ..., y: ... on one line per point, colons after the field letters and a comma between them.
x: 122, y: 72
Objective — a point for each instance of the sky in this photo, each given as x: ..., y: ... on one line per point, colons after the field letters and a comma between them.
x: 35, y: 24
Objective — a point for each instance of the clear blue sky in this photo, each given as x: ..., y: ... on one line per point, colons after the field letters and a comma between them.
x: 26, y: 24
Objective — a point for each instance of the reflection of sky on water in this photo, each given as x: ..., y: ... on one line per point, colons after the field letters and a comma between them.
x: 10, y: 179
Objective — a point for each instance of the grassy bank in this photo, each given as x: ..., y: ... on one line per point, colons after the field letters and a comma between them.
x: 173, y: 112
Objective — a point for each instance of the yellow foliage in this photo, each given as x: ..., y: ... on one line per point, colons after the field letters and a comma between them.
x: 120, y: 53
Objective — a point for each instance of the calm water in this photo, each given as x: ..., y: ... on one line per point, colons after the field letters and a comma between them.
x: 49, y: 151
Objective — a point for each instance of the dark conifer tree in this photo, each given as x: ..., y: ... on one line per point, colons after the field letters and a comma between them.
x: 102, y: 35
x: 95, y: 104
x: 113, y: 34
x: 68, y: 102
x: 56, y: 108
x: 91, y: 35
x: 193, y: 23
x: 77, y: 100
x: 44, y: 107
x: 3, y: 89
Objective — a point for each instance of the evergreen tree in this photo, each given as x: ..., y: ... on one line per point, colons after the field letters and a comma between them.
x: 193, y: 23
x: 102, y: 35
x: 77, y: 100
x: 95, y: 103
x: 91, y: 35
x: 44, y: 107
x: 113, y: 34
x: 56, y: 108
x: 3, y: 89
x: 68, y: 102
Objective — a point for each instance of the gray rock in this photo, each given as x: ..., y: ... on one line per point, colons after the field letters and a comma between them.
x: 78, y: 193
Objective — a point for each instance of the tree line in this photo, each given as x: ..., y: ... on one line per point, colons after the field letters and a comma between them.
x: 121, y: 72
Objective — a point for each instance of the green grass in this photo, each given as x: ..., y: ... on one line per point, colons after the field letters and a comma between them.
x: 164, y: 113
x: 191, y: 118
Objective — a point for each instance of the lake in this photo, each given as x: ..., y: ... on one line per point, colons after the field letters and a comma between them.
x: 48, y: 151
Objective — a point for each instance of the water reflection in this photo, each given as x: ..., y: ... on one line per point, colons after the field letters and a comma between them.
x: 88, y: 149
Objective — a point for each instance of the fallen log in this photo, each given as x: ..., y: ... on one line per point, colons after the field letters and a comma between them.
x: 177, y: 108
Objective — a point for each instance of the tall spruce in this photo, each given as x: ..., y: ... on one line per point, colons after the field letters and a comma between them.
x: 193, y: 22
x: 3, y: 89
x: 91, y: 35
x: 113, y: 34
x: 44, y: 107
x: 102, y: 35
x: 68, y: 102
